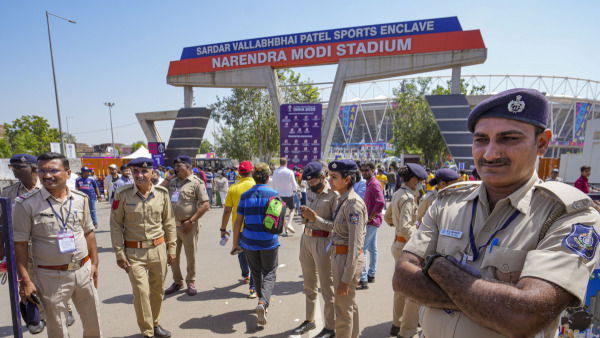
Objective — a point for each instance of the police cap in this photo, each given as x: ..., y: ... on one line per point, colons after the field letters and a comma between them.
x: 343, y: 165
x: 444, y: 175
x: 183, y: 159
x: 417, y: 170
x: 141, y: 162
x: 521, y: 104
x: 23, y: 159
x: 312, y: 170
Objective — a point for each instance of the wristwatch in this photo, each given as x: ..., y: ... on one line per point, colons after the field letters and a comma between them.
x: 429, y: 261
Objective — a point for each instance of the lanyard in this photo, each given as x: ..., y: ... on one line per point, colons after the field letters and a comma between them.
x: 63, y: 221
x: 473, y: 244
x: 338, y: 209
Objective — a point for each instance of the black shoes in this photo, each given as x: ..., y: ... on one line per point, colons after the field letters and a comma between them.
x: 362, y: 286
x: 173, y: 288
x: 70, y: 318
x: 326, y: 333
x: 371, y: 279
x: 160, y: 332
x: 304, y: 327
x: 394, y: 331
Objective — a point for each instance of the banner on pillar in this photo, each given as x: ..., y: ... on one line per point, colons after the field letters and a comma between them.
x: 300, y: 133
x: 582, y: 109
x: 156, y: 147
x: 348, y: 119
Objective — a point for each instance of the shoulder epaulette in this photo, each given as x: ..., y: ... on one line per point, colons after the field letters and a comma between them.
x: 26, y: 195
x: 125, y: 187
x: 82, y: 194
x: 466, y: 187
x: 161, y: 188
x: 572, y: 198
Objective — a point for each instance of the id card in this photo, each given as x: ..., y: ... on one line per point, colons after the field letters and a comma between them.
x: 66, y: 241
x: 175, y: 197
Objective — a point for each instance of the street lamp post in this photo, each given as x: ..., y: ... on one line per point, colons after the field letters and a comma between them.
x: 62, y: 142
x: 112, y: 135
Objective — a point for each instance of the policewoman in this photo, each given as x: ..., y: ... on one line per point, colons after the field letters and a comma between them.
x: 347, y: 259
x: 142, y: 228
x: 405, y: 316
x: 507, y: 256
x: 317, y: 217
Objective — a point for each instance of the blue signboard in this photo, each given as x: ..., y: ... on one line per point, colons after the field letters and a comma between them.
x: 300, y: 133
x: 417, y: 27
x: 159, y: 160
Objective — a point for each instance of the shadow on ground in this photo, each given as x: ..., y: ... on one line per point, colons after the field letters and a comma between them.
x: 124, y: 299
x: 379, y: 330
x: 224, y: 323
x: 213, y: 294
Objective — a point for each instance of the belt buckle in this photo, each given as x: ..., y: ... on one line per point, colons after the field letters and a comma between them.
x: 309, y: 231
x: 73, y: 266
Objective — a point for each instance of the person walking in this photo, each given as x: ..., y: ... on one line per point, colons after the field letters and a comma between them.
x: 221, y: 186
x: 89, y: 186
x: 284, y: 182
x: 144, y: 237
x: 317, y: 217
x: 125, y: 178
x: 507, y: 256
x: 56, y: 220
x: 110, y: 180
x: 209, y: 185
x: 375, y: 202
x: 231, y: 202
x: 190, y: 202
x: 259, y: 245
x: 347, y: 260
x: 405, y: 315
x: 582, y: 182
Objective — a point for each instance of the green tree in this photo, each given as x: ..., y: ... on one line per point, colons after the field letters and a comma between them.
x: 249, y: 128
x: 414, y: 128
x: 30, y: 134
x: 5, y: 148
x: 69, y: 138
x: 205, y: 147
x: 137, y: 145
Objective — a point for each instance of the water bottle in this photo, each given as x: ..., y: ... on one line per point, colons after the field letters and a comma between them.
x: 224, y: 239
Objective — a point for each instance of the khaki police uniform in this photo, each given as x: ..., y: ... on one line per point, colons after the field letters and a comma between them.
x: 57, y: 276
x: 404, y: 212
x: 143, y: 231
x: 425, y: 203
x: 186, y: 196
x: 348, y: 259
x: 314, y: 258
x: 553, y: 238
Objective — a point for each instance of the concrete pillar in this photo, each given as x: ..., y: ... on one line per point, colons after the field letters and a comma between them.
x: 333, y: 106
x: 188, y: 96
x: 455, y: 84
x: 274, y: 93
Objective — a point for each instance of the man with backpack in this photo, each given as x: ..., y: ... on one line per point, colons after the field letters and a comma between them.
x: 258, y: 243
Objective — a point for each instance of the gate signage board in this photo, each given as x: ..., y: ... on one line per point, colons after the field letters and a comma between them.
x: 329, y: 46
x: 300, y: 133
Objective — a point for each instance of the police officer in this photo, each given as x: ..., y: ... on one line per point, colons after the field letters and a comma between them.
x: 317, y: 217
x: 506, y: 257
x: 190, y: 201
x: 404, y: 214
x: 443, y: 178
x: 144, y: 237
x: 57, y: 222
x: 347, y: 259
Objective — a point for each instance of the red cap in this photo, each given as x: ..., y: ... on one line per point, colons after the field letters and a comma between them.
x: 245, y: 167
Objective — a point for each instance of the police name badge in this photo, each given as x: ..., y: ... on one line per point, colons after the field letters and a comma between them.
x: 451, y: 233
x: 66, y: 241
x: 582, y: 240
x: 175, y: 197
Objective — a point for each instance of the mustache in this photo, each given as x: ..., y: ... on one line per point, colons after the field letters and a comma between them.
x: 502, y: 161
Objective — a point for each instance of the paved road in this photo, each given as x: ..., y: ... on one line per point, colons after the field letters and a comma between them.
x: 221, y: 308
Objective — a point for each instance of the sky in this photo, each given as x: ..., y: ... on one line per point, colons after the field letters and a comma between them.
x: 119, y: 51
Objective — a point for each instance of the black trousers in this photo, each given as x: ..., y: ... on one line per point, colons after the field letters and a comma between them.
x: 263, y: 268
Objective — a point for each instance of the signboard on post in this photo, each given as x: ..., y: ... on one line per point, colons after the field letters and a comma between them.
x: 156, y: 147
x: 159, y: 160
x: 300, y: 135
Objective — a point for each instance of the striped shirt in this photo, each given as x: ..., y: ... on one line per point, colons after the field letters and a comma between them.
x: 252, y: 206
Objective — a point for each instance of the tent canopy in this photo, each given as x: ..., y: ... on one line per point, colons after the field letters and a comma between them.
x: 141, y: 152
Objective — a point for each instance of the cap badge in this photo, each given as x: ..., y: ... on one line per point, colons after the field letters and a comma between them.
x: 516, y: 106
x: 334, y: 165
x: 144, y: 165
x: 23, y: 159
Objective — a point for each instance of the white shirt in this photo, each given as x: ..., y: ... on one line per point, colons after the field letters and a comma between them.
x: 109, y: 183
x: 284, y: 182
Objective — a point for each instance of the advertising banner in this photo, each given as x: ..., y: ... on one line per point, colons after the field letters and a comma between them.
x: 156, y: 147
x: 348, y: 119
x: 300, y: 133
x: 159, y: 160
x: 329, y: 46
x: 582, y: 110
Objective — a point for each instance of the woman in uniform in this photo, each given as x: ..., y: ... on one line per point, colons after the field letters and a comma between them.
x: 348, y: 237
x: 404, y: 213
